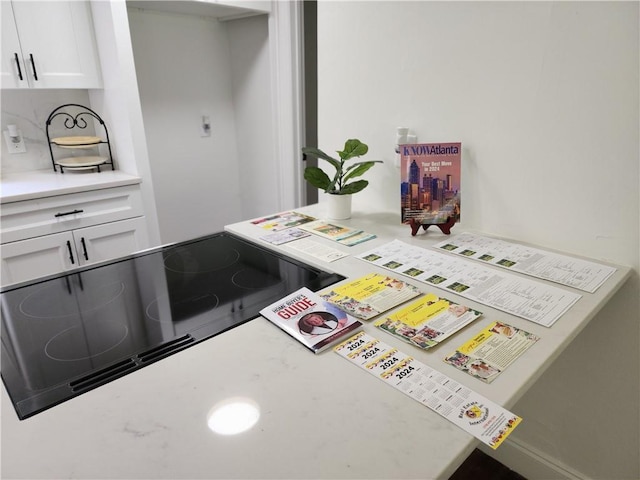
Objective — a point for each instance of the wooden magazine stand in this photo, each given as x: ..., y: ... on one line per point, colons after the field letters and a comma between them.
x: 444, y: 227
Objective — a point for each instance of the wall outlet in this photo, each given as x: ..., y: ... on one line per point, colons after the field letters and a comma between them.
x: 15, y: 144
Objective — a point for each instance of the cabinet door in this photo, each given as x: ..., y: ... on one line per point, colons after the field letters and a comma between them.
x: 41, y: 256
x: 12, y: 73
x: 111, y: 240
x: 38, y: 257
x: 58, y: 44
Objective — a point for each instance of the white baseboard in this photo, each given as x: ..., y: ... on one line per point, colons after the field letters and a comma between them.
x: 530, y: 462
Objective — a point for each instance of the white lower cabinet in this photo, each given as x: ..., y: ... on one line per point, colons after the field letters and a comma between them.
x: 37, y: 257
x: 111, y: 240
x: 50, y: 235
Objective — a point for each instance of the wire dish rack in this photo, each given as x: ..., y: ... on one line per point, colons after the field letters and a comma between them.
x: 78, y: 152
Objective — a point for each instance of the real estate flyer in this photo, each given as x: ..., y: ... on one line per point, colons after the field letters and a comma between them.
x: 428, y: 321
x: 430, y: 182
x: 529, y: 299
x: 475, y: 414
x: 356, y: 239
x: 573, y: 272
x: 338, y: 233
x: 285, y: 236
x: 369, y: 296
x: 488, y: 353
x: 282, y: 221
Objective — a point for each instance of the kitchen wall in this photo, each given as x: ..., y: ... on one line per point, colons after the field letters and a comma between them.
x: 29, y: 110
x: 544, y: 98
x: 252, y: 101
x: 189, y: 66
x: 117, y: 102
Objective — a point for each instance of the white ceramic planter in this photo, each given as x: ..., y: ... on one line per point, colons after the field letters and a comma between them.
x: 339, y: 207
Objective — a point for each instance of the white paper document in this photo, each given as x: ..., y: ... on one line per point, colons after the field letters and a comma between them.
x: 317, y: 250
x: 573, y: 272
x: 285, y: 236
x: 475, y: 414
x: 529, y: 299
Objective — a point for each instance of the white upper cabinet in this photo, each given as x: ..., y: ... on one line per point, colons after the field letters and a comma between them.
x: 48, y: 44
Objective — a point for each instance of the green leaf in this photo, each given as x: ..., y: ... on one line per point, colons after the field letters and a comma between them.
x: 316, y: 152
x: 316, y: 177
x: 354, y: 187
x: 353, y: 148
x: 358, y: 169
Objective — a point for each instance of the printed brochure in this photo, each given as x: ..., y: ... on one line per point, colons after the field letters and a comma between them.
x: 371, y: 295
x: 573, y: 272
x: 488, y: 422
x: 430, y: 176
x: 285, y: 236
x: 338, y: 233
x: 428, y: 321
x: 487, y: 354
x: 532, y: 300
x: 282, y: 221
x: 315, y: 323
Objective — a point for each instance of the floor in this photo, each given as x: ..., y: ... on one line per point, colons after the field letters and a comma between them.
x: 479, y: 466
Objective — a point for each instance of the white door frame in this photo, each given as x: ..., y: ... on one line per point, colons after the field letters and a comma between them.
x: 286, y: 58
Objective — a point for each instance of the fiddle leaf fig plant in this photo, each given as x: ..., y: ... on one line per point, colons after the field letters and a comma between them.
x: 340, y: 183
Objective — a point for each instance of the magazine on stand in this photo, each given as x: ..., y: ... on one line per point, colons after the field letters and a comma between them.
x: 430, y: 175
x: 314, y: 322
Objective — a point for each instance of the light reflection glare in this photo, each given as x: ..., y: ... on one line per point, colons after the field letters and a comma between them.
x: 233, y: 416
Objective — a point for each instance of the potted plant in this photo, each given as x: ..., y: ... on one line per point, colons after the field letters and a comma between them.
x: 340, y: 187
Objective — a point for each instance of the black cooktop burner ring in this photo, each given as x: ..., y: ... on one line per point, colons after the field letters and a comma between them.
x: 27, y: 312
x: 149, y: 308
x: 74, y: 330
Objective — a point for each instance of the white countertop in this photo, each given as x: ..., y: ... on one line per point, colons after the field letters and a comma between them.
x: 15, y: 187
x: 320, y: 416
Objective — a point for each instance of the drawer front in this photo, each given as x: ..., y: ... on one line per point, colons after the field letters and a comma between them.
x: 45, y: 216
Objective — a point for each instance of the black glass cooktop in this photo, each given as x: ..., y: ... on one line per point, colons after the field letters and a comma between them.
x: 66, y: 335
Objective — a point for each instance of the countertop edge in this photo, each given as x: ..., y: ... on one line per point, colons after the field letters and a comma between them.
x: 19, y: 187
